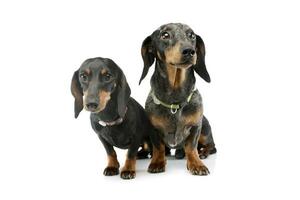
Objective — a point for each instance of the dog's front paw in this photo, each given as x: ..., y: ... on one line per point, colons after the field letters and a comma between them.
x: 127, y: 174
x: 111, y: 171
x: 200, y: 170
x: 156, y: 167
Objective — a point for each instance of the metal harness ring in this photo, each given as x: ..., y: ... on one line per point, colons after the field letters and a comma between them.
x: 173, y: 110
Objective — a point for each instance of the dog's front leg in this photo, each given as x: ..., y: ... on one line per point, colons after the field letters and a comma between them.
x: 113, y: 164
x: 158, y: 161
x: 194, y: 164
x: 128, y: 170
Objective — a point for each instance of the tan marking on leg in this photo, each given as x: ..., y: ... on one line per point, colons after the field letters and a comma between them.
x: 192, y: 157
x: 113, y: 161
x: 202, y: 139
x: 129, y: 164
x: 159, y: 154
x: 194, y: 164
x: 145, y: 146
x: 128, y: 171
x: 158, y: 161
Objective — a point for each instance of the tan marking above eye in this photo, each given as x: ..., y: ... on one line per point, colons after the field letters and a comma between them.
x: 87, y: 71
x: 103, y: 71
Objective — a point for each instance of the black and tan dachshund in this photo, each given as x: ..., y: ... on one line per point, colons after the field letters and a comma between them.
x: 100, y: 87
x: 174, y: 105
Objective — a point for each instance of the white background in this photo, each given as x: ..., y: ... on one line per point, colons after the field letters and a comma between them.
x: 252, y: 102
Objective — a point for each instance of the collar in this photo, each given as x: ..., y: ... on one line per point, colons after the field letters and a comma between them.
x: 173, y: 107
x: 115, y: 122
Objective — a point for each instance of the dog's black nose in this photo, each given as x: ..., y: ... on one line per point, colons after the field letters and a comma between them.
x: 188, y: 52
x: 92, y: 106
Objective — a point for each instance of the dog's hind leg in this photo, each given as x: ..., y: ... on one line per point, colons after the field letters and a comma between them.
x: 206, y: 145
x: 145, y: 150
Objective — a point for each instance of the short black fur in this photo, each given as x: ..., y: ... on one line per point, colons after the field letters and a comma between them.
x: 101, y: 82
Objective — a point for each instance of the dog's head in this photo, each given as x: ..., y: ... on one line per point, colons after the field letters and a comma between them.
x: 96, y: 82
x: 175, y: 45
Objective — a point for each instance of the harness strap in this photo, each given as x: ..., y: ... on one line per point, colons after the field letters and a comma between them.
x: 173, y: 107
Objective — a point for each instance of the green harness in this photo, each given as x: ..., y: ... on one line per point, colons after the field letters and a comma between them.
x: 173, y: 107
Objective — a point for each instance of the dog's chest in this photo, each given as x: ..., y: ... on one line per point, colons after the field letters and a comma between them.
x: 114, y: 135
x: 169, y: 122
x: 163, y: 119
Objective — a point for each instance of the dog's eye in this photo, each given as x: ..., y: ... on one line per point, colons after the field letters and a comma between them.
x: 107, y: 76
x: 165, y: 35
x: 192, y: 36
x: 83, y: 77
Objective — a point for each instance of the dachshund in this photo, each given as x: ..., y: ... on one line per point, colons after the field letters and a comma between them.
x: 100, y: 87
x: 174, y: 105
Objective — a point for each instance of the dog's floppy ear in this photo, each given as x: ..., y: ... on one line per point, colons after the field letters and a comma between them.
x: 77, y: 93
x: 200, y: 67
x: 148, y: 56
x: 123, y: 94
